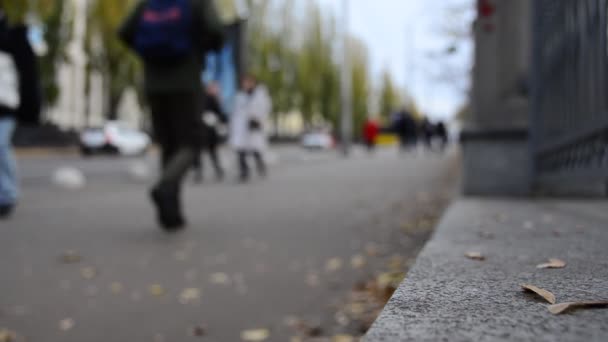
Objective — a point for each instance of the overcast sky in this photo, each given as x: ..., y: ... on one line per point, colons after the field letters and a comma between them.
x: 401, y: 34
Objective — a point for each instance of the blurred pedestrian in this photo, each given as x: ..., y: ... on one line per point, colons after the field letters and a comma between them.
x: 172, y: 37
x: 248, y: 126
x: 442, y: 133
x: 427, y: 132
x: 371, y: 129
x: 19, y: 102
x: 213, y: 119
x: 405, y: 128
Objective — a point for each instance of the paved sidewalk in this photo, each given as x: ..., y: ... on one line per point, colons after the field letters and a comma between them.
x: 448, y: 297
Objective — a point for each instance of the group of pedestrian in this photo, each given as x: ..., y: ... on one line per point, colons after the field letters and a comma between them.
x: 411, y: 132
x: 171, y: 37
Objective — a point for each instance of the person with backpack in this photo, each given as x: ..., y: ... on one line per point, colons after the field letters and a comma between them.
x: 19, y: 102
x: 172, y: 37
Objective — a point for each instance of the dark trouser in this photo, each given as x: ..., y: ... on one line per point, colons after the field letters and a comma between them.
x: 211, y: 150
x: 244, y: 166
x: 176, y: 121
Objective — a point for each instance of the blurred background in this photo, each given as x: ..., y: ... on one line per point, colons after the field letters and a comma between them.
x: 384, y: 113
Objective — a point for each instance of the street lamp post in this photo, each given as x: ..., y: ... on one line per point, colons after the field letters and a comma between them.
x: 346, y: 81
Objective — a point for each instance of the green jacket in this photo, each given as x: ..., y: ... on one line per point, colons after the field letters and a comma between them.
x: 186, y: 75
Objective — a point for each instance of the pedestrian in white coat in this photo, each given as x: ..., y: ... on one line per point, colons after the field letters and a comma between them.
x: 249, y: 126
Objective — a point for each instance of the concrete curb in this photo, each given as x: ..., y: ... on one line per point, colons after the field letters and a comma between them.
x: 447, y: 297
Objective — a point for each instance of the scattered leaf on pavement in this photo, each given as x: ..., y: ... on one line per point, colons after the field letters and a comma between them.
x: 553, y: 263
x: 557, y: 309
x: 475, y: 256
x: 220, y: 278
x: 116, y: 288
x: 333, y: 264
x: 7, y: 335
x: 66, y: 324
x: 88, y: 273
x: 156, y: 290
x: 343, y: 338
x: 190, y: 296
x: 255, y: 335
x: 396, y: 263
x: 358, y: 261
x: 372, y: 249
x: 70, y: 257
x: 390, y: 279
x: 312, y: 279
x: 548, y: 296
x: 199, y: 331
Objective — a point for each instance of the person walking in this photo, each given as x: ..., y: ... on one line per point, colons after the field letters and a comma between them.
x: 248, y: 126
x: 213, y: 119
x: 371, y: 129
x: 172, y: 37
x: 406, y: 129
x: 19, y: 103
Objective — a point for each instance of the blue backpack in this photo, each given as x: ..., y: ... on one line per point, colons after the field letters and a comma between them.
x: 165, y: 30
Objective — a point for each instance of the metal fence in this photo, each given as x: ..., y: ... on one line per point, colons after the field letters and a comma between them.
x: 569, y: 84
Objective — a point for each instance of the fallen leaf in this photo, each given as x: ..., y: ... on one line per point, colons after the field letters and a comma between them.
x: 66, y: 324
x: 358, y: 261
x: 343, y: 338
x: 372, y: 249
x: 116, y: 288
x: 8, y: 335
x: 557, y: 309
x: 396, y: 263
x: 553, y: 263
x: 528, y: 225
x: 156, y: 290
x: 333, y: 264
x: 475, y: 256
x: 390, y: 279
x: 190, y: 295
x: 199, y: 331
x: 255, y: 335
x: 220, y: 278
x: 70, y: 257
x: 548, y: 296
x: 88, y: 273
x: 313, y: 280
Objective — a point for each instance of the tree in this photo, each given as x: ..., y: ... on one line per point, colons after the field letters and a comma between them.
x: 361, y: 85
x: 390, y: 99
x: 119, y: 67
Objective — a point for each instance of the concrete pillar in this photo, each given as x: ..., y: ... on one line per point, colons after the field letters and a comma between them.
x: 495, y: 140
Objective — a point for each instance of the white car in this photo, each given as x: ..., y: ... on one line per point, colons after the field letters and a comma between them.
x: 114, y: 137
x: 317, y: 141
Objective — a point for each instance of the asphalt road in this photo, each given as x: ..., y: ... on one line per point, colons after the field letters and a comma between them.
x: 252, y: 255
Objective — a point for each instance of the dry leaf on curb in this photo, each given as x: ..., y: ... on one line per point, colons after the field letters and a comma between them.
x: 553, y: 263
x: 548, y: 296
x: 475, y: 256
x: 66, y: 324
x: 156, y: 290
x: 557, y: 309
x: 255, y: 335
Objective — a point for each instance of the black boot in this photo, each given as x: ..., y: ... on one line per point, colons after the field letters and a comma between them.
x: 6, y: 210
x: 168, y: 207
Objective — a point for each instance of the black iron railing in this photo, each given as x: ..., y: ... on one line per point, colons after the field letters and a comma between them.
x: 569, y: 79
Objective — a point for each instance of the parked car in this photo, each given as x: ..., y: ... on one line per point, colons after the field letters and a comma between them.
x: 317, y: 140
x: 116, y: 138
